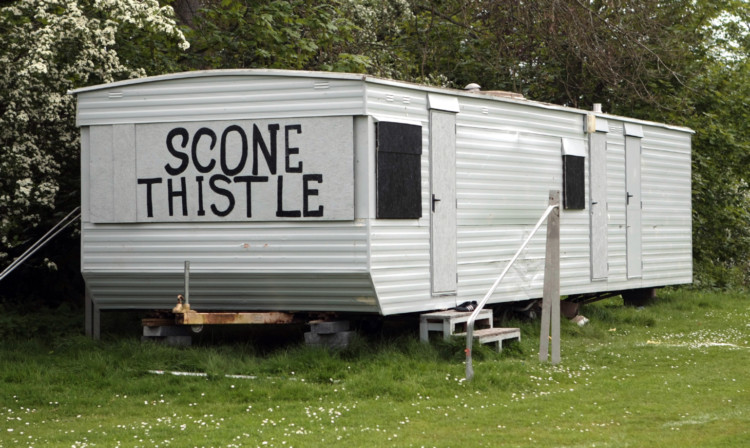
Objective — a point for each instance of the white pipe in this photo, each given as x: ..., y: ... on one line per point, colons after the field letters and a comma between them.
x: 187, y: 283
x: 51, y: 233
x: 473, y: 317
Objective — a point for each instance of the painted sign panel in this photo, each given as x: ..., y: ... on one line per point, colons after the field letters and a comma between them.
x: 240, y: 170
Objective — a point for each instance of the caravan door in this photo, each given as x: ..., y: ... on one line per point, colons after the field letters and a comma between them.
x: 443, y: 202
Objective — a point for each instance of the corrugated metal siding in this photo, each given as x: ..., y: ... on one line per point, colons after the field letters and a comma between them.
x: 508, y: 159
x: 222, y: 247
x: 234, y: 291
x: 667, y: 224
x: 221, y: 98
x: 509, y: 116
x: 237, y: 252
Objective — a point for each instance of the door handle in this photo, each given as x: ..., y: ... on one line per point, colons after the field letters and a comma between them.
x: 627, y: 199
x: 434, y: 200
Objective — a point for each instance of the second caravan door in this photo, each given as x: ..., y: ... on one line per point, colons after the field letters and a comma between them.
x: 633, y: 204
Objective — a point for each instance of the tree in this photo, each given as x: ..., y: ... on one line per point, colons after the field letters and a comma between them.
x: 337, y: 35
x: 718, y: 109
x: 682, y: 62
x: 677, y: 61
x: 46, y: 48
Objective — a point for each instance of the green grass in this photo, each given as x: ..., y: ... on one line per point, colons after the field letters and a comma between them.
x: 671, y: 374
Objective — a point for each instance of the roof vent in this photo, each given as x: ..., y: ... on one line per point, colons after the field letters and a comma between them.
x: 597, y: 107
x: 476, y: 88
x: 473, y: 87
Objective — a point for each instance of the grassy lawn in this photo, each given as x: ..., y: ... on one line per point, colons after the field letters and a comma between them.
x: 672, y: 374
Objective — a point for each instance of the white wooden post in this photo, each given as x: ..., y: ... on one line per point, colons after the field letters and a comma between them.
x: 551, y: 291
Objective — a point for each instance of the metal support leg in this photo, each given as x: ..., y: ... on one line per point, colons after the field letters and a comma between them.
x: 88, y: 310
x: 187, y: 284
x: 96, y: 321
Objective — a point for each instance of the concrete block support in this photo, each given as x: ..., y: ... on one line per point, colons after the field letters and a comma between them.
x: 175, y: 335
x: 329, y: 327
x: 331, y: 334
x: 333, y: 340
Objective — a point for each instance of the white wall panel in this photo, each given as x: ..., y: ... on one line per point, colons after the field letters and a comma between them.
x: 124, y: 175
x: 508, y: 159
x: 101, y: 172
x: 667, y: 223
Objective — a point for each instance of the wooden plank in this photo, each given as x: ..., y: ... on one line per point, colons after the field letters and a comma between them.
x: 553, y: 260
x: 495, y: 336
x: 194, y: 318
x: 157, y: 321
x: 551, y: 287
x: 446, y: 321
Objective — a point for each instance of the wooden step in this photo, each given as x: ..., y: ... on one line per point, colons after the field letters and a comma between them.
x: 495, y: 336
x: 446, y: 322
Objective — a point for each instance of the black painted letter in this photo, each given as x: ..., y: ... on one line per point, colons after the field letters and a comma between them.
x: 243, y: 158
x: 184, y: 159
x: 226, y: 193
x: 149, y: 197
x: 171, y: 194
x: 289, y: 151
x: 248, y: 181
x: 199, y: 180
x: 306, y: 191
x: 196, y: 138
x: 270, y: 156
x: 280, y: 212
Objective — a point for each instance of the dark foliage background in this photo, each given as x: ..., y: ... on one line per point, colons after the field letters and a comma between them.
x: 682, y: 62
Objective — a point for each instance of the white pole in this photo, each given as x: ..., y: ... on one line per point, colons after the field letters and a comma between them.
x: 483, y: 302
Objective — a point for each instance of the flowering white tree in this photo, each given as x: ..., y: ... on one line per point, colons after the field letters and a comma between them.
x: 48, y: 47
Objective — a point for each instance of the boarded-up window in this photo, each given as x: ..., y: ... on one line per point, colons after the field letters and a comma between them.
x: 574, y: 183
x: 399, y: 179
